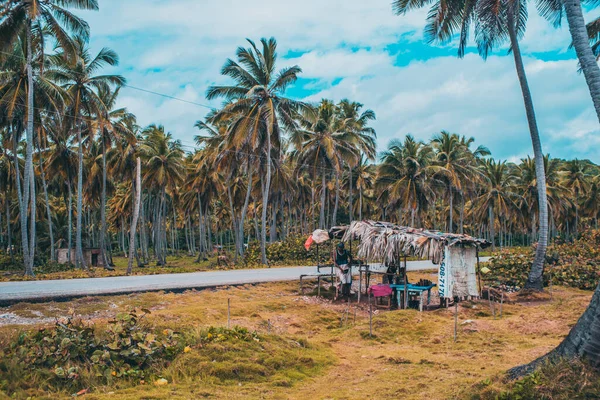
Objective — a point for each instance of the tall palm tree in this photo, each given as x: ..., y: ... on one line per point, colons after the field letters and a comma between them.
x: 259, y: 109
x: 404, y: 173
x: 499, y: 196
x: 458, y: 166
x: 356, y: 123
x: 581, y: 35
x: 576, y: 177
x: 495, y: 23
x: 113, y: 124
x: 163, y: 164
x: 324, y: 149
x: 31, y: 18
x: 77, y: 75
x: 48, y: 97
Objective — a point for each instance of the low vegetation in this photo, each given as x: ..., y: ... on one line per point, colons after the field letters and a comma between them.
x: 573, y: 264
x: 294, y: 346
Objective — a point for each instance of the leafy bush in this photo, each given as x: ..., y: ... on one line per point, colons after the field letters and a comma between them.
x: 8, y: 263
x: 71, y: 355
x: 569, y: 264
x: 289, y: 251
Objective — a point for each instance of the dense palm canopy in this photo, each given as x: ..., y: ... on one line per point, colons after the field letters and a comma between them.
x: 266, y: 166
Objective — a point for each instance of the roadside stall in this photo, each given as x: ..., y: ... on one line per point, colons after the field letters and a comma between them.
x: 457, y: 257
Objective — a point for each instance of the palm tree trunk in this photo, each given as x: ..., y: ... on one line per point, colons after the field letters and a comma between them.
x: 323, y: 203
x: 350, y: 192
x: 29, y: 178
x: 48, y: 212
x: 8, y: 232
x: 103, y: 209
x: 451, y: 195
x: 233, y: 224
x: 70, y: 222
x: 136, y: 214
x: 337, y: 199
x: 79, y: 261
x: 273, y: 228
x: 360, y: 203
x: 265, y: 201
x: 583, y: 341
x: 535, y: 279
x: 23, y: 206
x: 245, y: 209
x: 586, y: 57
x: 492, y: 226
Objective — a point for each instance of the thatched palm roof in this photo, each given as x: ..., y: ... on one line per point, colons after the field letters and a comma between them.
x: 388, y: 242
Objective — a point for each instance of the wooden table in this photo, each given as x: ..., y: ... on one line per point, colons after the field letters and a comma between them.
x: 415, y: 291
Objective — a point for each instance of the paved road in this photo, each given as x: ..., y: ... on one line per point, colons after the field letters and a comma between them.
x: 11, y: 292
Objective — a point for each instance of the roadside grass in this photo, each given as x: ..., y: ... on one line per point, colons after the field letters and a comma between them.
x: 411, y: 355
x: 175, y: 264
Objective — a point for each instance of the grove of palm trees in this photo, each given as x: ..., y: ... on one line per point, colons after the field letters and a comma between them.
x: 78, y: 171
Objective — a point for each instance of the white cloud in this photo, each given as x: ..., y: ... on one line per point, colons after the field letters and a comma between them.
x: 177, y: 47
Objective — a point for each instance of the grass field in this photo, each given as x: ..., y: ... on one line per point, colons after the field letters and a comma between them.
x: 411, y: 355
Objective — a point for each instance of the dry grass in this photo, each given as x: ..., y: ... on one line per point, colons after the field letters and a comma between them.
x: 412, y: 355
x: 175, y: 264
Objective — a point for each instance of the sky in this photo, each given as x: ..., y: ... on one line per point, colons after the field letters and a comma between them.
x: 351, y: 49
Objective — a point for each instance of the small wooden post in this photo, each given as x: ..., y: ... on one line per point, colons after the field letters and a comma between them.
x: 360, y: 272
x: 370, y: 317
x: 421, y: 303
x: 405, y: 284
x: 501, y: 304
x: 228, y: 313
x: 455, y: 319
x: 492, y: 307
x: 479, y: 273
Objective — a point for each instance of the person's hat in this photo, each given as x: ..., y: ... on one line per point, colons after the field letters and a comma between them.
x: 340, y: 245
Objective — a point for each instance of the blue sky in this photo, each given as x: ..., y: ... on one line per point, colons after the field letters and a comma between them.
x: 357, y: 50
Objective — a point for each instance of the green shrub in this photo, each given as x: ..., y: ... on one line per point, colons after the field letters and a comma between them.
x: 287, y: 252
x: 569, y: 264
x: 8, y: 263
x: 72, y: 354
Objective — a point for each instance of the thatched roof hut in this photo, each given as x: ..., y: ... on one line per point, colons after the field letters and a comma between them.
x: 388, y: 242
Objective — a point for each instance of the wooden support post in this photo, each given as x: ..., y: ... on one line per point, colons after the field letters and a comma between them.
x: 501, y: 304
x: 455, y: 319
x: 479, y: 273
x: 405, y: 284
x: 359, y: 283
x: 228, y: 313
x: 421, y: 303
x: 370, y: 317
x: 319, y: 286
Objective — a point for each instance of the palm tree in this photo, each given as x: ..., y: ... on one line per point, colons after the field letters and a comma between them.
x: 581, y: 35
x: 365, y: 179
x: 495, y: 23
x: 324, y: 149
x: 404, y: 174
x: 163, y: 162
x: 32, y: 17
x: 499, y: 195
x: 114, y: 124
x: 258, y: 109
x: 458, y: 166
x: 576, y: 177
x: 77, y: 75
x: 13, y: 95
x: 362, y: 136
